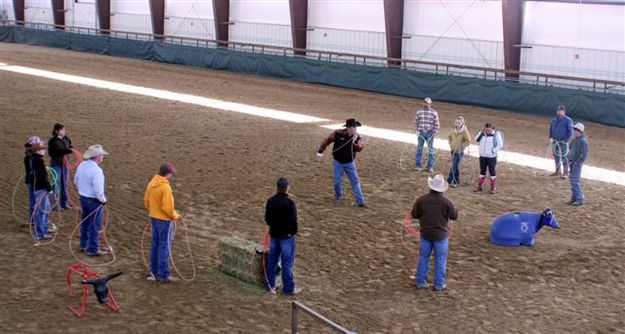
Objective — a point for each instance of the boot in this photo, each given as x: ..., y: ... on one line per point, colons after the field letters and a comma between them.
x: 493, y: 185
x: 480, y: 184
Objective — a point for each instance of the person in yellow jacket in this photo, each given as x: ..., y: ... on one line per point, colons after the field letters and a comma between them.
x: 159, y: 200
x: 459, y: 140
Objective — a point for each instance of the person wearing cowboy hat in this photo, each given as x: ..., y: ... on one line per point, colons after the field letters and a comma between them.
x: 89, y: 180
x: 433, y: 210
x: 426, y: 125
x: 28, y: 168
x: 41, y: 188
x: 577, y: 156
x: 159, y: 200
x: 346, y: 143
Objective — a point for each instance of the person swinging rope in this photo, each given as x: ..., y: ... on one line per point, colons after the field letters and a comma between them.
x: 89, y: 180
x: 159, y: 201
x: 346, y: 143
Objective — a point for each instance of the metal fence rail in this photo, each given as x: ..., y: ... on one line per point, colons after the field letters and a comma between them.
x: 532, y: 78
x: 295, y: 306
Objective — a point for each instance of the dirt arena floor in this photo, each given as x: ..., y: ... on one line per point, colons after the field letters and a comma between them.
x: 352, y: 264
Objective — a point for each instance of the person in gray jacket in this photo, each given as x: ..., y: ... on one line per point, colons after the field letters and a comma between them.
x: 577, y: 156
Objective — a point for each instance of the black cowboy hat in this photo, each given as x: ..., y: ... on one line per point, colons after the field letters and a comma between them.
x: 351, y: 123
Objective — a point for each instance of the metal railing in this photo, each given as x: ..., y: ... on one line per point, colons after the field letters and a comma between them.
x: 532, y: 78
x: 295, y: 306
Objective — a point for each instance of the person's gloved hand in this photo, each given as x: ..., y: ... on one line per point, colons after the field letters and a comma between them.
x: 319, y: 155
x: 551, y: 140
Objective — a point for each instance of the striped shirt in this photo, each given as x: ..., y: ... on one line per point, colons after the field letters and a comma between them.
x: 426, y: 120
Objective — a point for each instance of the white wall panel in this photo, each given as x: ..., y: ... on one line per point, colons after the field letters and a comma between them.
x: 189, y: 9
x: 347, y: 26
x: 130, y: 6
x: 132, y: 23
x: 260, y: 11
x: 190, y: 27
x: 582, y: 26
x: 39, y: 11
x: 6, y: 9
x: 261, y: 22
x: 81, y: 14
x: 465, y: 19
x: 364, y: 15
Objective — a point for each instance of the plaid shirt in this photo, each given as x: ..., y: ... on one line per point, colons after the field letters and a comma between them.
x: 426, y: 120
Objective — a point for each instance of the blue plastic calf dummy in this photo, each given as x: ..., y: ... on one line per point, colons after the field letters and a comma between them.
x: 520, y: 228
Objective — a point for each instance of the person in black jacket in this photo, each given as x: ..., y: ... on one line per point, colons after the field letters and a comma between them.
x: 281, y: 216
x: 346, y: 143
x: 59, y: 147
x: 28, y: 177
x: 41, y: 189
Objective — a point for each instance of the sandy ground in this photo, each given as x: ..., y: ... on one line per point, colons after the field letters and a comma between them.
x: 351, y: 263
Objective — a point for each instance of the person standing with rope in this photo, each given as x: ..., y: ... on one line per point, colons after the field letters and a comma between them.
x: 560, y: 133
x: 459, y: 140
x: 41, y: 188
x: 426, y: 125
x: 491, y: 141
x: 29, y: 176
x: 577, y: 157
x: 433, y: 210
x: 89, y: 181
x: 281, y: 217
x: 346, y: 143
x: 159, y: 200
x: 59, y: 147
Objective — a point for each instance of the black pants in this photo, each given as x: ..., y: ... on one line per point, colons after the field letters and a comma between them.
x: 489, y: 163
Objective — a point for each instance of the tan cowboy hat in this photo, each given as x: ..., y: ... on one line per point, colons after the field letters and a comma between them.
x: 438, y: 183
x: 94, y: 151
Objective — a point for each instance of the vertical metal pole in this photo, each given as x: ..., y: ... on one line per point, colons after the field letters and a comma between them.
x: 293, y: 318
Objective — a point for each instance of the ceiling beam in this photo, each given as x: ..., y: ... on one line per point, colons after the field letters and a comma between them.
x: 394, y: 23
x: 18, y: 10
x: 104, y: 15
x: 512, y: 11
x: 299, y: 24
x: 58, y: 13
x: 157, y: 11
x: 221, y: 10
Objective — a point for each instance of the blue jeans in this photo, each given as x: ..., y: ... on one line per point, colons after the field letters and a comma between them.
x: 440, y: 262
x: 577, y: 195
x: 42, y: 212
x: 423, y: 138
x: 62, y: 184
x: 352, y: 174
x: 283, y: 250
x: 454, y: 172
x: 162, y: 231
x: 32, y: 200
x: 89, y: 238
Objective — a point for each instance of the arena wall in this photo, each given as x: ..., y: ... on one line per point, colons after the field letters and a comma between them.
x: 598, y: 107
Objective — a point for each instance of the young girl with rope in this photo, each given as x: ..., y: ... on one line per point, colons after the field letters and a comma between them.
x: 41, y: 188
x: 459, y: 140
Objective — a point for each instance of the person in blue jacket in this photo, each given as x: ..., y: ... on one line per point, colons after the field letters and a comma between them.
x: 560, y: 133
x: 577, y: 156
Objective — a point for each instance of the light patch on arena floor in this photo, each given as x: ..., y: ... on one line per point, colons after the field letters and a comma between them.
x: 589, y: 172
x: 168, y: 95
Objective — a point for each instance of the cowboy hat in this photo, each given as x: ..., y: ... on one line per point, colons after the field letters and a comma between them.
x: 94, y: 151
x: 579, y: 126
x: 438, y: 183
x: 351, y: 123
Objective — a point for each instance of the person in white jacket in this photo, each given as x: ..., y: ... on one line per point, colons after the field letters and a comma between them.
x: 491, y: 141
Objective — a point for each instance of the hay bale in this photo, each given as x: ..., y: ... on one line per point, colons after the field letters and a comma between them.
x: 239, y: 258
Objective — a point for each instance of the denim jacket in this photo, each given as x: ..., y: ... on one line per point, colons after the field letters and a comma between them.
x: 578, y: 150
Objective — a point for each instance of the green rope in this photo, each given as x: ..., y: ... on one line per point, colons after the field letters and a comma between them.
x: 20, y: 220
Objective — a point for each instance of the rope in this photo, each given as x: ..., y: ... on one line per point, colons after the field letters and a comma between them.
x: 33, y: 233
x: 102, y: 231
x: 265, y: 251
x: 18, y: 218
x: 170, y: 237
x: 425, y: 153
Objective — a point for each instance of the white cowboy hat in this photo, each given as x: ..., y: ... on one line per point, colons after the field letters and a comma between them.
x: 94, y: 151
x: 579, y: 126
x: 438, y: 183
